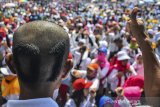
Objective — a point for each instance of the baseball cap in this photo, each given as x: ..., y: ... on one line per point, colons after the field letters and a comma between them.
x: 80, y: 84
x: 93, y: 67
x: 103, y: 49
x: 122, y: 55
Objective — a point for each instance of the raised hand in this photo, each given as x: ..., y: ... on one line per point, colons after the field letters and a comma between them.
x: 135, y: 26
x: 151, y: 64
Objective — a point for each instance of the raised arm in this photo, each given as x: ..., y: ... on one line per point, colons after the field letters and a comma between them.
x: 151, y: 65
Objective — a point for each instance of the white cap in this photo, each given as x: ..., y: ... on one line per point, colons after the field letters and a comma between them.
x: 103, y: 43
x: 122, y: 55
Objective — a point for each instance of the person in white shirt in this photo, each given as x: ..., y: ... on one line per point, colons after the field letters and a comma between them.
x: 119, y: 72
x: 81, y: 97
x: 138, y: 65
x: 40, y: 50
x: 81, y: 58
x: 60, y: 95
x: 92, y: 75
x: 104, y: 65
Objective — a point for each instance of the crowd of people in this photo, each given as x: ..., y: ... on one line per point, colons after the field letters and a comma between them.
x: 104, y: 67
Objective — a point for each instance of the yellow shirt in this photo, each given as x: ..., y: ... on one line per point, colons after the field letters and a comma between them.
x: 10, y: 88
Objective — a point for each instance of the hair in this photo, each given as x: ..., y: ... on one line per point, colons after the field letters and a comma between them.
x: 78, y: 97
x: 40, y: 50
x: 118, y: 40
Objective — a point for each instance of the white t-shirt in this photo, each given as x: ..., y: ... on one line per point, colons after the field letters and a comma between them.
x: 139, y: 68
x: 113, y: 79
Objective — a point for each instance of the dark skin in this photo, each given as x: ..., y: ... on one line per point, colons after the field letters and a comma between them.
x: 91, y: 74
x: 151, y: 64
x: 38, y: 89
x: 40, y: 93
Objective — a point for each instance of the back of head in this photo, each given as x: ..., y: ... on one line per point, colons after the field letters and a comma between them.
x: 40, y: 50
x: 118, y: 40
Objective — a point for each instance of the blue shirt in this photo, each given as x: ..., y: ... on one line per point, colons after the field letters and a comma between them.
x: 40, y: 102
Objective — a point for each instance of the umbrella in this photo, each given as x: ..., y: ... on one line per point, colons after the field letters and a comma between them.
x: 9, y: 5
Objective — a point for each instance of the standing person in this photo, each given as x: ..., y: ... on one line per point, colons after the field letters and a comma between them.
x: 134, y: 49
x: 80, y: 96
x: 138, y: 65
x: 66, y: 82
x: 117, y: 74
x: 40, y: 50
x: 102, y: 61
x: 151, y: 64
x: 104, y: 65
x: 92, y: 76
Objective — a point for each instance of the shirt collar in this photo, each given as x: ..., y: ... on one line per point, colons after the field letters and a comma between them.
x: 39, y: 102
